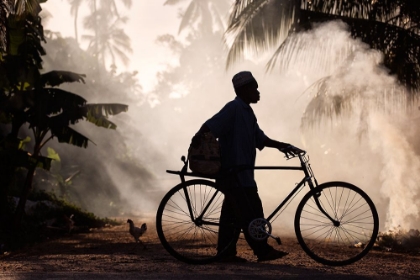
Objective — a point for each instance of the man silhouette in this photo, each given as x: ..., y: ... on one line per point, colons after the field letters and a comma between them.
x: 239, y: 135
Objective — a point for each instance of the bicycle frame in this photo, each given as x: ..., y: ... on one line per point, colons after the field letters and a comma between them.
x: 336, y: 223
x: 304, y: 166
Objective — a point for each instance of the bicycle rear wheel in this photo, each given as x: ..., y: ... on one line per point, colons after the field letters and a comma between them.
x: 192, y: 238
x: 347, y: 239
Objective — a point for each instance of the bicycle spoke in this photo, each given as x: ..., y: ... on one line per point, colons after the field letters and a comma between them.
x: 338, y: 243
x: 192, y: 239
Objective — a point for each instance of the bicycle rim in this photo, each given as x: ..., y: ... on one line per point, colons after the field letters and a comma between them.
x: 336, y: 244
x: 191, y: 240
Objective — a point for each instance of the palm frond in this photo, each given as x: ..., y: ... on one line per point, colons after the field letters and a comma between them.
x: 121, y: 54
x: 331, y: 101
x: 400, y: 46
x: 220, y: 9
x: 325, y: 107
x: 4, y: 12
x: 55, y: 78
x: 127, y: 3
x: 28, y: 6
x: 348, y: 8
x: 393, y: 27
x: 314, y: 50
x: 259, y: 25
x: 172, y: 2
x: 68, y: 135
x: 190, y: 13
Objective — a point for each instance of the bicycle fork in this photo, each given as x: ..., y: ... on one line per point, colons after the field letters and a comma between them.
x: 336, y: 223
x: 199, y: 220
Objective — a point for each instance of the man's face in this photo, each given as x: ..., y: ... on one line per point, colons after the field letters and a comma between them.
x: 250, y: 93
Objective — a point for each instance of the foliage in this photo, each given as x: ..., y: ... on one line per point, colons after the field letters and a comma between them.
x: 390, y: 27
x: 399, y: 240
x: 209, y: 14
x: 27, y: 96
x: 125, y: 159
x: 107, y: 38
x: 50, y: 208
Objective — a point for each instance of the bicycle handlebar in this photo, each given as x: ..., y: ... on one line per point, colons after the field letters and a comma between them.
x: 300, y: 155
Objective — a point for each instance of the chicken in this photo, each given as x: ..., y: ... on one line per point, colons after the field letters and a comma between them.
x: 69, y: 222
x: 136, y: 232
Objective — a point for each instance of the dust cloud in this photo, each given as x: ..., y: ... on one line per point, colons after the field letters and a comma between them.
x: 371, y: 144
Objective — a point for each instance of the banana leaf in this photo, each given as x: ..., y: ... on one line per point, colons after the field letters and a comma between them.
x: 68, y: 135
x: 98, y: 113
x: 55, y: 78
x: 105, y: 109
x: 55, y: 100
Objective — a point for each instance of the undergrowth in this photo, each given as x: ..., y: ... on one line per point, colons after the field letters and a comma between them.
x: 48, y: 218
x: 400, y: 240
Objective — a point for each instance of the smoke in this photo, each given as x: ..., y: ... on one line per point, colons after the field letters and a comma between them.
x: 359, y: 129
x: 399, y: 176
x: 357, y: 123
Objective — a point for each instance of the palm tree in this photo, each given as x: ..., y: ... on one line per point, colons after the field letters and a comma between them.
x: 74, y: 11
x: 392, y: 27
x: 110, y: 39
x: 104, y: 12
x: 210, y: 13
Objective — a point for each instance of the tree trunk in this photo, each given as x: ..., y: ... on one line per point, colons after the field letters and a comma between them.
x: 27, y: 187
x: 7, y: 173
x: 6, y: 177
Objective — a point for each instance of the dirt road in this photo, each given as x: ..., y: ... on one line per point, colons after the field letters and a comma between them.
x: 110, y: 253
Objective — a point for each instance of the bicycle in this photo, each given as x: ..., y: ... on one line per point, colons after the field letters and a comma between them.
x: 336, y: 223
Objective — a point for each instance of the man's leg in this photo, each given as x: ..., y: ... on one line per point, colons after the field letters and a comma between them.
x: 227, y: 231
x: 242, y: 205
x: 249, y: 203
x: 250, y: 207
x: 228, y: 214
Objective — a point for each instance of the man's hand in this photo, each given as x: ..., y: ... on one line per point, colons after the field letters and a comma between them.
x: 291, y: 151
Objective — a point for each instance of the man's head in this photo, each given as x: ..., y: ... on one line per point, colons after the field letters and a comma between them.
x: 246, y: 87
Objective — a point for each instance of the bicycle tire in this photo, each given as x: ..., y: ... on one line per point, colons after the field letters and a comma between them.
x: 187, y: 240
x: 342, y: 244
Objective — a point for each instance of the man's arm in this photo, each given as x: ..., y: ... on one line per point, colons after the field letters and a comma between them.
x: 286, y: 148
x: 275, y: 144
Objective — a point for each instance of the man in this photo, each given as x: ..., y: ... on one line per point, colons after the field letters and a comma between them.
x: 239, y: 135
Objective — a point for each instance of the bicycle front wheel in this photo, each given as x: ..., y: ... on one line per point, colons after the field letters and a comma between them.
x: 336, y: 223
x: 187, y: 222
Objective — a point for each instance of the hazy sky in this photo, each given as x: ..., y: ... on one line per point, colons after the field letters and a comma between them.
x: 147, y: 20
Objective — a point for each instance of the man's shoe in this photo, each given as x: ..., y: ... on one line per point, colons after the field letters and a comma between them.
x: 232, y: 259
x: 272, y: 255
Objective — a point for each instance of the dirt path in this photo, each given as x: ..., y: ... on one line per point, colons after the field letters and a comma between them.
x: 111, y: 254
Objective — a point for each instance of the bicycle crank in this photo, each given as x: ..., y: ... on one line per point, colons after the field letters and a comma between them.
x: 260, y: 229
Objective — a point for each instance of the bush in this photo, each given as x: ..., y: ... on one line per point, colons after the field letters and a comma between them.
x: 399, y: 240
x: 48, y: 218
